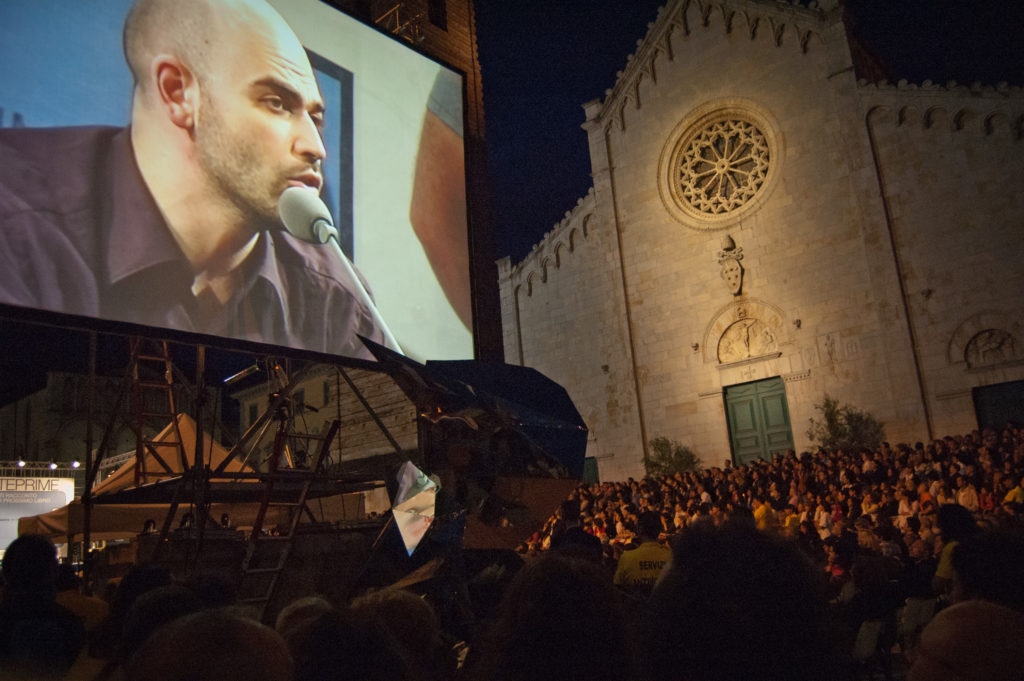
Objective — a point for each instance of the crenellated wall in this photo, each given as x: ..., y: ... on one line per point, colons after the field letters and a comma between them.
x: 563, y: 314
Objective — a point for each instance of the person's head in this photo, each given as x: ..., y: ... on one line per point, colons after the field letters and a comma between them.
x: 152, y: 610
x: 559, y: 619
x: 227, y: 86
x: 970, y: 640
x: 30, y: 565
x: 212, y: 645
x: 139, y: 580
x: 956, y: 522
x: 336, y: 645
x: 987, y: 566
x: 719, y: 584
x: 411, y: 623
x: 649, y: 526
x: 300, y: 610
x: 410, y: 619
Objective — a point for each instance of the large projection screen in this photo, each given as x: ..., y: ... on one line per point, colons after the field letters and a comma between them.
x: 404, y: 226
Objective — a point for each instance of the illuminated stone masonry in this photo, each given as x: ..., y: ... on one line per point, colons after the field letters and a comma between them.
x: 720, y: 168
x: 758, y: 213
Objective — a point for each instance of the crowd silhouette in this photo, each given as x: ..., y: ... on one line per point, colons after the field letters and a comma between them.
x: 828, y: 565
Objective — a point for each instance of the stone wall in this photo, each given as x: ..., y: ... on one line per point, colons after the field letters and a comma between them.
x: 828, y: 269
x: 952, y: 163
x: 568, y: 297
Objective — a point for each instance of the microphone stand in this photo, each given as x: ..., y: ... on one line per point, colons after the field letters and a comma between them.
x: 306, y: 217
x: 361, y: 293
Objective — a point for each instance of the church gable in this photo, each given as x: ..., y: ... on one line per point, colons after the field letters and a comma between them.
x: 786, y: 27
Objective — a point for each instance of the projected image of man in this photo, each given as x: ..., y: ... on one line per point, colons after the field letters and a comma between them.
x: 173, y: 222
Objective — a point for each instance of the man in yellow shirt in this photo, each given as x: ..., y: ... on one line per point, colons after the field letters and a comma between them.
x: 1015, y: 495
x: 764, y: 515
x: 639, y: 568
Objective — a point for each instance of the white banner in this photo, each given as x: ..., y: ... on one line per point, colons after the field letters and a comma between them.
x: 25, y: 496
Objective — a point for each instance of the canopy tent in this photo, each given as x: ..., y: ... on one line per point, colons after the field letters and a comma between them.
x: 126, y: 520
x: 213, y: 455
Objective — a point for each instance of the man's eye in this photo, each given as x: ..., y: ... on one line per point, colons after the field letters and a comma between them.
x: 274, y: 103
x: 318, y: 120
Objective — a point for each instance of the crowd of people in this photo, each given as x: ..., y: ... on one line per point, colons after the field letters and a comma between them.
x: 769, y: 570
x: 833, y: 504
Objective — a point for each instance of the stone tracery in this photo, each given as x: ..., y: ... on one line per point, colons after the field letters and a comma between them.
x: 722, y: 167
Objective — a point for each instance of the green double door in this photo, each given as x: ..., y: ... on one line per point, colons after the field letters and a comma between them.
x: 758, y: 417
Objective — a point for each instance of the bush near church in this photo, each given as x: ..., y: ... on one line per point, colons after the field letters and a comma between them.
x: 845, y: 427
x: 668, y: 457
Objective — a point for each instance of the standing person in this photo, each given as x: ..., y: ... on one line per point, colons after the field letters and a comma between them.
x: 173, y: 221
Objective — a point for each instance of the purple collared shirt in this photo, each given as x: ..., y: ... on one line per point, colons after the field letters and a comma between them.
x: 81, y: 234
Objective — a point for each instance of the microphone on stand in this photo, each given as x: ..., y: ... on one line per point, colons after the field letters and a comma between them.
x: 307, y: 218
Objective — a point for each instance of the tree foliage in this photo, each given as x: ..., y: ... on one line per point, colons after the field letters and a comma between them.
x: 668, y: 457
x: 842, y: 426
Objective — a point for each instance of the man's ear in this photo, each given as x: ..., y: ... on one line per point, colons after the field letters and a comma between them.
x: 177, y: 89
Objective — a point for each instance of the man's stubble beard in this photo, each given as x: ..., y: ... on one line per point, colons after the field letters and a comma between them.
x: 232, y: 163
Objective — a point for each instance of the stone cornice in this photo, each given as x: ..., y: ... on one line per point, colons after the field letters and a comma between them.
x: 784, y: 22
x: 544, y: 254
x: 1002, y: 91
x: 976, y: 108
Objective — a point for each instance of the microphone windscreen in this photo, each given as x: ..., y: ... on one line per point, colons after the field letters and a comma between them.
x: 300, y: 209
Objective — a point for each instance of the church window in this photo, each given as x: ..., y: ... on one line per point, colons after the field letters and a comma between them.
x: 718, y: 167
x: 722, y: 167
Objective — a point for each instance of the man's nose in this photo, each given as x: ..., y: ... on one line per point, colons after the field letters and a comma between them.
x: 308, y: 143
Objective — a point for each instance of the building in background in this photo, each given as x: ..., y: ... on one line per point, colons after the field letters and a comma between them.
x: 768, y: 224
x: 377, y: 419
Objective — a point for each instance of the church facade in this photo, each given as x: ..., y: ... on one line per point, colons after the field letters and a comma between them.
x: 766, y: 228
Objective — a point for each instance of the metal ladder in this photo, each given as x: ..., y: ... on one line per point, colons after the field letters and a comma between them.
x: 262, y: 567
x: 153, y: 396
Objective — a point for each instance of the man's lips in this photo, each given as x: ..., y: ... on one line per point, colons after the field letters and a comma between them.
x: 306, y: 180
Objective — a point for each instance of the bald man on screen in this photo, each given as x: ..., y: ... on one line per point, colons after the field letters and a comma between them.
x: 173, y: 221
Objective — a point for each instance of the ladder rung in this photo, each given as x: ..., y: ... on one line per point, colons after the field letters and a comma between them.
x: 154, y: 358
x: 263, y: 571
x: 163, y: 385
x: 306, y: 436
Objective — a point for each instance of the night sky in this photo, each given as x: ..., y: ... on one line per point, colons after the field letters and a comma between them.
x: 542, y: 60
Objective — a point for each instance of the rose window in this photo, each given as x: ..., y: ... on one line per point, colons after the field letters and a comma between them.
x: 722, y: 167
